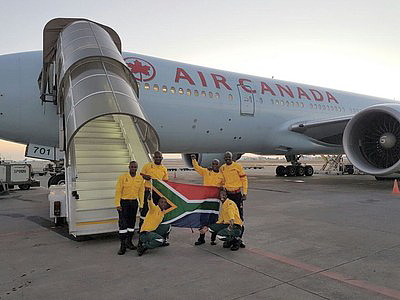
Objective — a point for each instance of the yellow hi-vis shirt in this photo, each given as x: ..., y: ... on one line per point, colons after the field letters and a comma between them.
x: 129, y: 188
x: 229, y: 211
x: 153, y: 218
x: 210, y: 178
x: 155, y: 171
x: 234, y: 177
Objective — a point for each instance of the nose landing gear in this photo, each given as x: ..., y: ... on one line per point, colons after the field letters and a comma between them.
x: 295, y: 169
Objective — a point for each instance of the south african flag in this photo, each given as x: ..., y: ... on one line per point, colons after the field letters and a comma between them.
x: 191, y: 206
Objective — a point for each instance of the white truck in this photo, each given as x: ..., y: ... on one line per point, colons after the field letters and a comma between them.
x: 18, y: 174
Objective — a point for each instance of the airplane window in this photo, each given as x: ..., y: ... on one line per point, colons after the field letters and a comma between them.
x: 164, y: 89
x: 196, y: 92
x: 292, y: 104
x: 323, y: 107
x: 302, y: 104
x: 319, y: 106
x: 172, y: 90
x: 203, y: 93
x: 230, y: 97
x: 217, y: 95
x: 277, y: 102
x: 287, y: 103
x: 210, y: 94
x: 156, y: 88
x: 311, y: 105
x: 272, y: 101
x: 282, y: 102
x: 188, y: 92
x: 297, y: 104
x: 146, y: 86
x: 180, y: 91
x: 315, y: 106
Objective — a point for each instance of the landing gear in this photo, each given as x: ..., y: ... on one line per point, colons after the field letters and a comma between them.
x: 295, y: 169
x: 56, y: 179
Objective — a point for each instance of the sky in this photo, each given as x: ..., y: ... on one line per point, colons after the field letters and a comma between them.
x: 346, y: 45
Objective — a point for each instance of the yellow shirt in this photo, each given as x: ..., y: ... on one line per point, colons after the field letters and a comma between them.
x: 155, y: 171
x: 234, y: 177
x: 129, y: 188
x: 229, y: 211
x: 153, y: 218
x: 210, y: 178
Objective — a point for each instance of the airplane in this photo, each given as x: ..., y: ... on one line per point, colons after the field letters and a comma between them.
x: 101, y: 108
x: 206, y: 111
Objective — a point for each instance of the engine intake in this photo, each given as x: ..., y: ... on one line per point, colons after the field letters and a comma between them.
x: 205, y: 159
x: 371, y: 139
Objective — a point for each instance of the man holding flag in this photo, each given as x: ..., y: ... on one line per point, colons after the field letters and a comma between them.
x: 228, y: 228
x: 211, y: 177
x: 153, y: 234
x: 235, y: 183
x: 152, y: 170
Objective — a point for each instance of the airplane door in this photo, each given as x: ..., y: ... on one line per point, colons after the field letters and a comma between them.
x: 247, y: 104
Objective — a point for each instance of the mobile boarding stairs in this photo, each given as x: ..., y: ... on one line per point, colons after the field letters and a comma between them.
x: 101, y: 124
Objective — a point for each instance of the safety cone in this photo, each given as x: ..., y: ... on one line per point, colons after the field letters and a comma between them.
x: 396, y: 188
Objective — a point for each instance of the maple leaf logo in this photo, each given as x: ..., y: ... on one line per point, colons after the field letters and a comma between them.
x: 142, y: 70
x: 137, y: 67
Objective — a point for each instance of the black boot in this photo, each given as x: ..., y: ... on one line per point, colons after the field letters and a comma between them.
x: 201, y: 239
x: 129, y: 243
x: 122, y: 248
x: 141, y: 249
x: 213, y: 238
x: 235, y: 245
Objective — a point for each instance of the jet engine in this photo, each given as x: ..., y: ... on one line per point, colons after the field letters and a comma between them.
x: 205, y: 159
x: 371, y: 139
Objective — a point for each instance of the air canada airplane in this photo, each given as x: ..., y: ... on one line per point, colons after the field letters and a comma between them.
x: 100, y: 108
x: 200, y: 110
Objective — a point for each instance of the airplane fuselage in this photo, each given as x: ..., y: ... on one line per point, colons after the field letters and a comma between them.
x: 193, y: 109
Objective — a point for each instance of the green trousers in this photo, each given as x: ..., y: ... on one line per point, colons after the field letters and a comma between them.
x: 224, y: 234
x: 154, y: 239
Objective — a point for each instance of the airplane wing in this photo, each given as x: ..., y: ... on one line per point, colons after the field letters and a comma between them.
x: 328, y: 131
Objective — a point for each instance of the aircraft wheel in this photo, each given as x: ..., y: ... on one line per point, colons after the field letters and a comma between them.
x: 300, y: 171
x: 309, y: 171
x: 56, y: 180
x: 24, y: 187
x: 280, y: 171
x: 290, y: 171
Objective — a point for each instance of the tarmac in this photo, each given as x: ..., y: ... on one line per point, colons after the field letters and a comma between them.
x: 319, y: 237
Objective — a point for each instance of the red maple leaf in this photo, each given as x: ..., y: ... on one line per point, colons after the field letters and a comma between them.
x: 137, y: 67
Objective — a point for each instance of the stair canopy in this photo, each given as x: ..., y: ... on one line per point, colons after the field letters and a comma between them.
x: 93, y: 79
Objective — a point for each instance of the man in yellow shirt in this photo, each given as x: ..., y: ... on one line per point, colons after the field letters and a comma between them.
x: 211, y: 177
x: 129, y: 194
x: 228, y: 228
x: 153, y: 234
x: 235, y: 183
x: 152, y: 170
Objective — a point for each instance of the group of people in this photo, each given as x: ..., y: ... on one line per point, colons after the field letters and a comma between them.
x: 134, y: 191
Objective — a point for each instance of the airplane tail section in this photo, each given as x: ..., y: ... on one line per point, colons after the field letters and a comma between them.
x: 102, y: 126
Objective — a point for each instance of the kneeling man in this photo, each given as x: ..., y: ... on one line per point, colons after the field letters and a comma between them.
x: 229, y: 225
x: 153, y: 234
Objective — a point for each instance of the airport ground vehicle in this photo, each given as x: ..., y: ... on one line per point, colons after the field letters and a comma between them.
x: 17, y: 175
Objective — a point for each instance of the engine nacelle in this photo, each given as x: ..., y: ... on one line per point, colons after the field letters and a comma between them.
x: 205, y: 159
x: 371, y: 139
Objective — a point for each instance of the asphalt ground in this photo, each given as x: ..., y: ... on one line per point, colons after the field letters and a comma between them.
x: 320, y: 237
